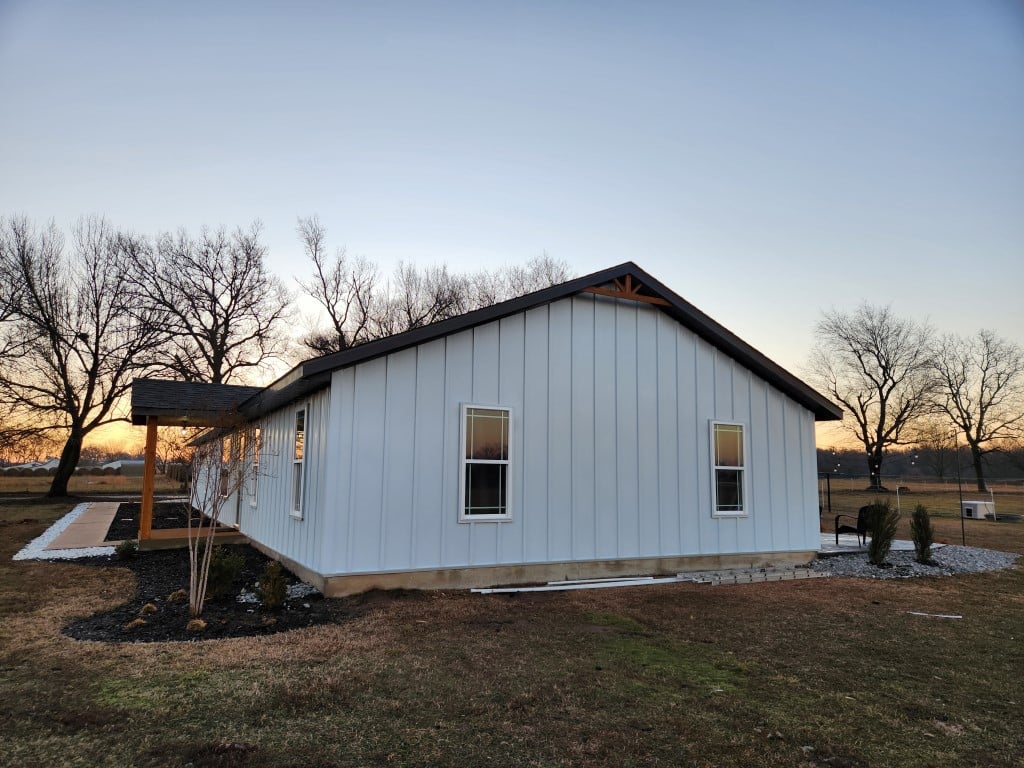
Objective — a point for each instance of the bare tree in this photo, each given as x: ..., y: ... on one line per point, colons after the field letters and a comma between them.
x: 74, y: 333
x: 1014, y: 452
x: 878, y: 367
x: 360, y: 307
x: 220, y: 470
x: 222, y: 309
x: 417, y: 297
x: 344, y: 287
x: 936, y: 446
x: 493, y: 286
x: 981, y: 390
x: 173, y: 445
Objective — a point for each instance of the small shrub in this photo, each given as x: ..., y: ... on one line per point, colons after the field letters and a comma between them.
x: 147, y: 609
x: 882, y: 523
x: 225, y: 567
x: 924, y: 534
x: 134, y: 624
x: 195, y: 625
x: 178, y: 596
x: 273, y: 586
x: 126, y: 549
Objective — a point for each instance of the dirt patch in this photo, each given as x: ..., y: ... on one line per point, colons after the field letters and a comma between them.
x: 160, y: 573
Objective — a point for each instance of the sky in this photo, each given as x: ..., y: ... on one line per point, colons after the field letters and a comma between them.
x: 767, y: 161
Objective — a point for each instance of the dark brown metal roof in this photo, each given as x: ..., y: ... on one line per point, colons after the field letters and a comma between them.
x: 315, y: 374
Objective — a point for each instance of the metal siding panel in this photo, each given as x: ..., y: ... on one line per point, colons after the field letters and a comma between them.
x: 794, y: 482
x: 368, y: 464
x: 560, y: 443
x: 535, y: 437
x: 399, y: 459
x: 646, y: 428
x: 745, y: 539
x: 483, y: 543
x: 777, y: 464
x: 429, y: 511
x: 667, y: 437
x: 510, y: 392
x: 606, y: 434
x: 812, y: 514
x: 343, y: 383
x: 584, y: 520
x: 627, y: 518
x: 726, y: 527
x: 705, y: 411
x: 455, y: 536
x: 760, y: 468
x: 688, y: 442
x: 334, y: 532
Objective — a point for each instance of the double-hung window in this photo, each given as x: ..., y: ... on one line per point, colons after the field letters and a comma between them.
x: 486, y: 445
x: 729, y: 480
x: 298, y: 463
x: 255, y: 466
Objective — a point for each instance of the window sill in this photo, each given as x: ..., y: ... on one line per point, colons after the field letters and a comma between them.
x: 297, y: 516
x: 730, y: 514
x: 485, y: 519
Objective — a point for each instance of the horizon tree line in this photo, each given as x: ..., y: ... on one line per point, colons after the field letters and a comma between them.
x: 904, y: 384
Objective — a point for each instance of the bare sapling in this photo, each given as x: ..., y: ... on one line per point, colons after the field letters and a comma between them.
x: 221, y: 471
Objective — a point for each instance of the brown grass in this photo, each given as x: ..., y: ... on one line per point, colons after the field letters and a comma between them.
x: 81, y: 485
x: 821, y: 672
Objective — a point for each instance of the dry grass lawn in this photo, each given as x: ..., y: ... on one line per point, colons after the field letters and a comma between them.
x: 86, y: 485
x: 820, y: 672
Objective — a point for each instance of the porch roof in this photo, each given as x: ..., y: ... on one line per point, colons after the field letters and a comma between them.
x: 188, y: 403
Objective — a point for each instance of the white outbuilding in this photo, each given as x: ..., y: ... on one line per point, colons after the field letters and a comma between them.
x: 601, y: 427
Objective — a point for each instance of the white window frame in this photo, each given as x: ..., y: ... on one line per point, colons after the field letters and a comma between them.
x: 464, y: 462
x: 256, y: 435
x: 744, y: 469
x: 297, y: 513
x: 227, y: 455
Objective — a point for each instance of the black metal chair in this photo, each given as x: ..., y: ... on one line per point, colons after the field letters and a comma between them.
x: 861, y: 528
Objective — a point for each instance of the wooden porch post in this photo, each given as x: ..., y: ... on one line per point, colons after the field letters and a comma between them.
x: 148, y: 480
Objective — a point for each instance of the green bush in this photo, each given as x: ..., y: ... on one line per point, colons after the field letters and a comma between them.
x: 273, y: 586
x: 126, y: 549
x: 923, y: 533
x: 225, y: 567
x: 882, y: 523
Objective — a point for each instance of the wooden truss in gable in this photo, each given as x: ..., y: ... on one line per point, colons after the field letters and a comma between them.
x: 625, y: 288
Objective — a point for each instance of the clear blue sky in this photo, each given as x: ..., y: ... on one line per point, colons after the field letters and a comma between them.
x: 765, y: 159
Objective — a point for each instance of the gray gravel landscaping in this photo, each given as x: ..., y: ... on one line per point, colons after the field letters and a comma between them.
x: 948, y: 560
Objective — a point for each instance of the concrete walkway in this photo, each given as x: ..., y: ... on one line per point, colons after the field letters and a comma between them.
x: 850, y: 544
x: 89, y: 528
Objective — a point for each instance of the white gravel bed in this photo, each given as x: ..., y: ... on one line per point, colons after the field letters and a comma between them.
x: 949, y: 560
x: 37, y: 548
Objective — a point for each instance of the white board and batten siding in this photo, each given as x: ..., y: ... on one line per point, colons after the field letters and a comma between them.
x: 611, y: 404
x: 272, y: 521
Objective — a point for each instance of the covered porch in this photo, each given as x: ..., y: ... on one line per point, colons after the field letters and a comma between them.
x: 183, y: 404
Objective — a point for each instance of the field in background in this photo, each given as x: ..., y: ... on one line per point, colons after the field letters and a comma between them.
x: 84, y: 485
x: 943, y: 502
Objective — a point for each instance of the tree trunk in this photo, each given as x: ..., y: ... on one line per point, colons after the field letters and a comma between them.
x: 979, y: 471
x: 68, y: 461
x: 875, y: 471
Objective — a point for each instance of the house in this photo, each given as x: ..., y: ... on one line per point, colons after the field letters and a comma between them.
x: 601, y: 427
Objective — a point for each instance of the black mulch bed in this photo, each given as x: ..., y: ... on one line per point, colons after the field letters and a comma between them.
x: 166, y: 514
x: 159, y: 573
